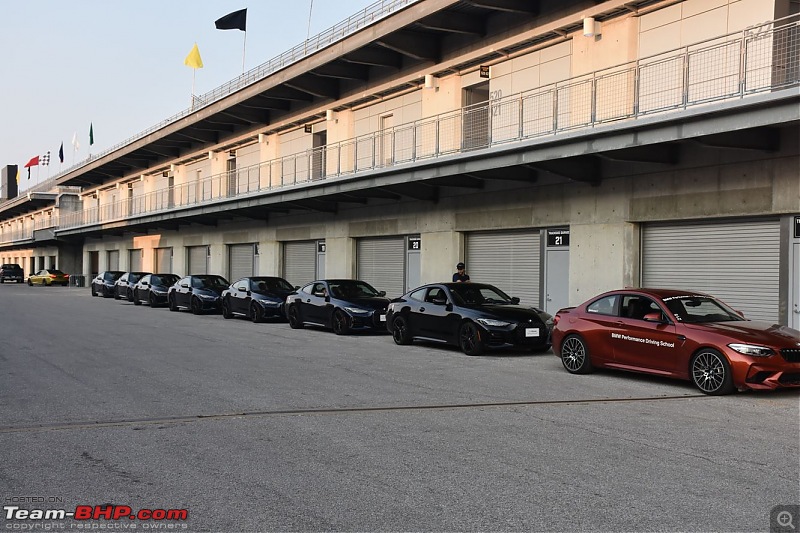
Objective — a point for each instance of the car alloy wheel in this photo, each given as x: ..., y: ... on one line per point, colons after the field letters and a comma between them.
x: 135, y: 298
x: 575, y: 355
x: 469, y: 339
x: 294, y: 318
x: 341, y: 323
x: 30, y: 283
x: 152, y: 300
x: 116, y: 295
x: 196, y: 306
x: 173, y: 305
x: 400, y: 332
x: 226, y: 309
x: 94, y: 292
x: 256, y: 313
x: 711, y: 372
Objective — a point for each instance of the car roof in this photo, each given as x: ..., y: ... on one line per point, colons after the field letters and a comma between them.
x: 656, y: 292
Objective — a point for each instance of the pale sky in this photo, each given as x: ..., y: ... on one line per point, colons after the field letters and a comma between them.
x: 119, y: 65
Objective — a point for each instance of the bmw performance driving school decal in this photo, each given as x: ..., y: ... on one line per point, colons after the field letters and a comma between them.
x: 654, y: 342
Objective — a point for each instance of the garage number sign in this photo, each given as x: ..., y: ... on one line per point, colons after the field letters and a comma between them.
x: 413, y: 243
x: 558, y: 237
x: 797, y: 227
x: 321, y: 247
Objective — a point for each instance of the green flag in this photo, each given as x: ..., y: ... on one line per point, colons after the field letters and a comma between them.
x: 91, y: 134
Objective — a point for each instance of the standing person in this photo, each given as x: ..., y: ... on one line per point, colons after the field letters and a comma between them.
x: 461, y: 274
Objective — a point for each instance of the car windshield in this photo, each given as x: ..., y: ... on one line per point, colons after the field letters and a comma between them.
x: 471, y: 294
x: 112, y: 276
x: 272, y: 284
x: 696, y: 309
x: 352, y: 289
x: 164, y: 279
x: 133, y: 277
x: 213, y: 282
x: 57, y: 272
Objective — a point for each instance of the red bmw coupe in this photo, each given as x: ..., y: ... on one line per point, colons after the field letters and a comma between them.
x: 680, y: 334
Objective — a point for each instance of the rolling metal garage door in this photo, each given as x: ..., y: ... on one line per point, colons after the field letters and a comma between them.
x: 135, y: 260
x: 508, y: 260
x: 113, y: 260
x: 381, y: 264
x: 737, y: 262
x: 163, y: 261
x: 241, y: 259
x: 198, y: 260
x: 300, y: 262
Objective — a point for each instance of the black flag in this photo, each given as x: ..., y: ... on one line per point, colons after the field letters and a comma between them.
x: 61, y: 153
x: 233, y: 21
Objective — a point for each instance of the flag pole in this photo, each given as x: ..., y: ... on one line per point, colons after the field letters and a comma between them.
x: 244, y: 47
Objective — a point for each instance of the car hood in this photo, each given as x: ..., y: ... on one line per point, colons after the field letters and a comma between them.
x: 518, y: 313
x: 752, y: 331
x: 377, y: 302
x: 272, y: 295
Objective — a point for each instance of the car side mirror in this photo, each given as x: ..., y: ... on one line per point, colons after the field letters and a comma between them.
x: 653, y: 317
x: 145, y: 284
x: 185, y: 285
x: 241, y: 289
x: 296, y: 287
x: 515, y: 300
x: 382, y: 293
x: 741, y: 314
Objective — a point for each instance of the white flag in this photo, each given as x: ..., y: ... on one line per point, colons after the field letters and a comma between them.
x: 75, y: 143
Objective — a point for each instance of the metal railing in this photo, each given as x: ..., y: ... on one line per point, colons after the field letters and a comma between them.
x: 759, y: 59
x: 369, y: 15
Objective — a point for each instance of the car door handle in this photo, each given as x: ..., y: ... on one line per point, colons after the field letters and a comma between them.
x: 422, y: 309
x: 308, y: 300
x: 681, y: 338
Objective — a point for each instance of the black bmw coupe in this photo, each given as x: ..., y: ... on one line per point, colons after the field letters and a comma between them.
x: 340, y: 304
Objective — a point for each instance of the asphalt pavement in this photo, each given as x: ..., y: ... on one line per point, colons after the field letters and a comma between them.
x: 258, y: 427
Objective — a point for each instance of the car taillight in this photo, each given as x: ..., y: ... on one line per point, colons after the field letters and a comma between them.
x: 53, y: 276
x: 556, y: 319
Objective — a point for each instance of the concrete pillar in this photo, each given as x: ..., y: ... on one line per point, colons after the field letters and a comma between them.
x: 269, y: 258
x: 441, y: 251
x: 217, y: 261
x: 602, y: 257
x: 340, y: 257
x: 87, y: 266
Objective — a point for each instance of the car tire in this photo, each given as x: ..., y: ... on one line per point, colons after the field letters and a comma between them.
x: 30, y: 283
x: 196, y: 306
x: 340, y: 323
x: 256, y: 313
x: 94, y: 292
x: 294, y: 318
x: 226, y: 309
x: 129, y: 295
x: 116, y: 295
x: 575, y: 355
x: 711, y: 372
x: 152, y: 301
x: 135, y: 298
x: 400, y: 331
x: 173, y: 305
x: 469, y: 339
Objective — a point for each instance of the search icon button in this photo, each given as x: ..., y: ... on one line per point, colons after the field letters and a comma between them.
x: 783, y: 519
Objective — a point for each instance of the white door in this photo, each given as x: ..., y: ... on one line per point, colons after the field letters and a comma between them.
x: 556, y: 280
x: 794, y: 320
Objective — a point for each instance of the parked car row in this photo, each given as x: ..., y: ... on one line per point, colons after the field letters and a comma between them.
x: 679, y: 334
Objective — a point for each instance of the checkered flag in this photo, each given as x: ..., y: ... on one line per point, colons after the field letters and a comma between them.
x: 45, y: 159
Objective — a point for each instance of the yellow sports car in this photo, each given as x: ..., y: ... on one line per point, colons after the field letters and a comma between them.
x: 49, y: 276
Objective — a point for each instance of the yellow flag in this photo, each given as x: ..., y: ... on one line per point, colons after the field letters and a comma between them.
x: 17, y: 174
x: 193, y: 59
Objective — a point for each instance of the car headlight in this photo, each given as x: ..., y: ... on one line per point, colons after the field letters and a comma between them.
x: 158, y: 291
x: 752, y: 349
x: 208, y: 297
x: 268, y: 303
x: 494, y: 323
x: 356, y: 310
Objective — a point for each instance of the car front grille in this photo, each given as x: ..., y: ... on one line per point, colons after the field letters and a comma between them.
x: 520, y: 338
x: 791, y: 355
x: 790, y: 378
x: 376, y: 318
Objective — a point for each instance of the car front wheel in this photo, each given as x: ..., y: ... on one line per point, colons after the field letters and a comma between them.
x: 341, y: 323
x: 94, y: 292
x: 196, y: 306
x: 256, y: 313
x: 226, y: 309
x: 469, y: 339
x: 135, y: 298
x: 173, y: 305
x: 711, y: 372
x: 294, y: 318
x: 152, y: 300
x: 30, y: 283
x: 400, y: 332
x: 575, y: 355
